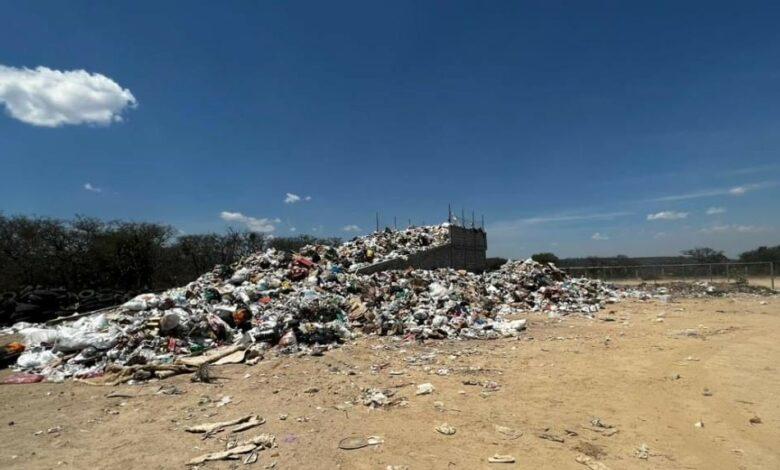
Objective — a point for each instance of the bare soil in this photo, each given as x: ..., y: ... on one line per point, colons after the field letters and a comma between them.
x: 641, y: 367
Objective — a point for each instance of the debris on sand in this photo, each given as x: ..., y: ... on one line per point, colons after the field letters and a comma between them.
x: 257, y: 443
x: 352, y: 443
x: 642, y: 452
x: 499, y: 458
x: 210, y: 428
x: 590, y: 462
x: 445, y: 429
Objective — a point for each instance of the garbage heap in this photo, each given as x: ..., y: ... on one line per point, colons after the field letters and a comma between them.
x: 390, y: 244
x: 303, y: 303
x: 529, y: 285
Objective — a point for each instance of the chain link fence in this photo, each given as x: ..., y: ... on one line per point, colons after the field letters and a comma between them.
x: 762, y: 274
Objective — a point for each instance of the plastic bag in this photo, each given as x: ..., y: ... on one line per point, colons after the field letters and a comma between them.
x: 35, y: 359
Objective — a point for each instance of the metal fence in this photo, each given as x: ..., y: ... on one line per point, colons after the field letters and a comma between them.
x: 751, y: 273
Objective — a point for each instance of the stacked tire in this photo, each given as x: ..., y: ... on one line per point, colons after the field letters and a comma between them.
x: 38, y: 304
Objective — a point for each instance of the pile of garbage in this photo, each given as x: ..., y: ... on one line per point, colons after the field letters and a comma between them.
x: 528, y: 285
x: 391, y: 244
x: 301, y: 303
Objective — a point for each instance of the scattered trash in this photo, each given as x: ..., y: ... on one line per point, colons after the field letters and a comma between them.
x: 352, y: 443
x: 642, y: 452
x: 445, y: 429
x: 374, y: 398
x: 590, y: 462
x: 550, y: 437
x: 699, y: 424
x: 253, y: 422
x: 499, y: 458
x: 263, y: 441
x: 510, y: 433
x: 22, y: 378
x: 211, y: 428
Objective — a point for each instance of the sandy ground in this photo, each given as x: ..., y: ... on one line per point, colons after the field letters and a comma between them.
x: 642, y: 373
x: 764, y: 281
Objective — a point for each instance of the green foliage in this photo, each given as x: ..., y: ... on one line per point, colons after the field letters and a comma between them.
x: 90, y: 253
x: 762, y: 254
x: 545, y: 258
x: 705, y: 255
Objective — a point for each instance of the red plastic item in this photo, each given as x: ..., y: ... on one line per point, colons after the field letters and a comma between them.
x: 304, y: 262
x: 22, y: 378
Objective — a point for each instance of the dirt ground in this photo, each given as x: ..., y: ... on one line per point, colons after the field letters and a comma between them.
x: 641, y: 367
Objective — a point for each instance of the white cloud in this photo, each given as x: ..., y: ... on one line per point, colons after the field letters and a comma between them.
x: 660, y: 235
x: 667, y: 215
x: 567, y: 218
x: 251, y: 223
x: 738, y: 190
x: 733, y: 191
x: 52, y: 98
x: 599, y: 236
x: 94, y: 189
x: 716, y: 210
x: 293, y: 229
x: 351, y: 228
x: 291, y: 198
x: 732, y: 229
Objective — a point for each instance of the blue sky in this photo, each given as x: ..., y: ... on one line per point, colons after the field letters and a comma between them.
x: 582, y: 128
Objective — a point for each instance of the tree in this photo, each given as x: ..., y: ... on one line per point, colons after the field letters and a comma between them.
x: 545, y: 258
x: 762, y: 254
x: 705, y: 255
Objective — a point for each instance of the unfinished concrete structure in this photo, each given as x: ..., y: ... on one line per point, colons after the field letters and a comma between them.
x: 466, y: 250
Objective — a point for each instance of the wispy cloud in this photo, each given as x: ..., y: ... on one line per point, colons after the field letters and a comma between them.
x: 53, y: 98
x: 293, y: 229
x: 571, y: 217
x: 351, y: 228
x: 599, y: 236
x: 667, y: 215
x: 94, y: 189
x: 752, y: 169
x: 291, y: 198
x: 715, y: 229
x: 254, y: 224
x: 716, y: 210
x: 732, y: 191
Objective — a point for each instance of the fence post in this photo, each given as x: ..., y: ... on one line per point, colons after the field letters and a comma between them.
x: 728, y: 275
x: 710, y: 266
x: 772, y: 274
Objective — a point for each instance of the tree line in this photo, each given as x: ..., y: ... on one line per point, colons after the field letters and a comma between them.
x: 88, y: 253
x: 693, y: 255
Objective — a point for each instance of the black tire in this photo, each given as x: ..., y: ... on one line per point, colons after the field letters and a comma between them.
x: 86, y: 294
x: 8, y: 296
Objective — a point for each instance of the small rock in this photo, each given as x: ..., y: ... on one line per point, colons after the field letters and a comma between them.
x: 425, y: 389
x: 445, y: 429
